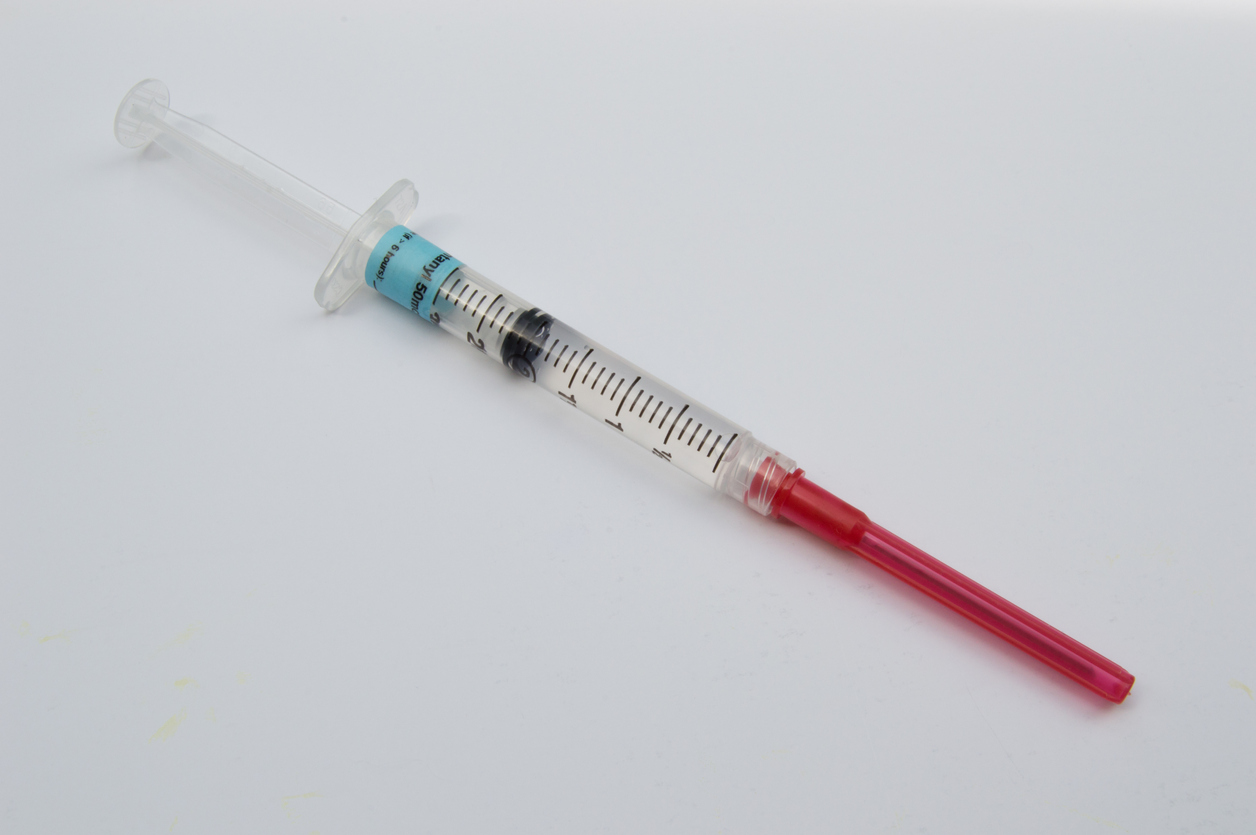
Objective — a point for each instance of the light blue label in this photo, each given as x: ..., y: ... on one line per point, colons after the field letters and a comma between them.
x: 409, y: 269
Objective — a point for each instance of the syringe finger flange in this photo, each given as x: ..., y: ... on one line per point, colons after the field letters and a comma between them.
x: 343, y: 275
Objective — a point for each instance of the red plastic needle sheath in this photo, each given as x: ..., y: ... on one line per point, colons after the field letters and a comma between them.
x: 828, y: 517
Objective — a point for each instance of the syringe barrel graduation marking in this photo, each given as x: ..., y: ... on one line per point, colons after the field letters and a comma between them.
x: 378, y: 248
x: 610, y: 389
x: 558, y: 358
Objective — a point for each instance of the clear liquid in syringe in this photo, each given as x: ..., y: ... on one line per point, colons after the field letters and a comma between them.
x: 584, y: 374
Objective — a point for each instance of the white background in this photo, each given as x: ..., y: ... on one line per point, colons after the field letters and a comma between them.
x: 986, y: 271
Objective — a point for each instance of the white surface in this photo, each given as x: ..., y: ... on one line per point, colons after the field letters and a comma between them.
x: 986, y: 271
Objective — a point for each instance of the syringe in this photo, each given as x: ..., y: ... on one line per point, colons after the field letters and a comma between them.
x: 377, y: 248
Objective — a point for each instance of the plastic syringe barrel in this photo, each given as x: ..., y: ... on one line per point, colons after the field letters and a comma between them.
x: 828, y: 517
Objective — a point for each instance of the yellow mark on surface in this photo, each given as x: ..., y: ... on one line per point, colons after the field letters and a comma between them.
x: 1238, y: 685
x: 242, y: 678
x: 1112, y: 559
x: 210, y: 715
x: 176, y: 820
x: 183, y: 637
x: 172, y: 724
x: 185, y: 682
x: 23, y: 629
x: 286, y: 800
x: 1206, y: 594
x: 63, y: 635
